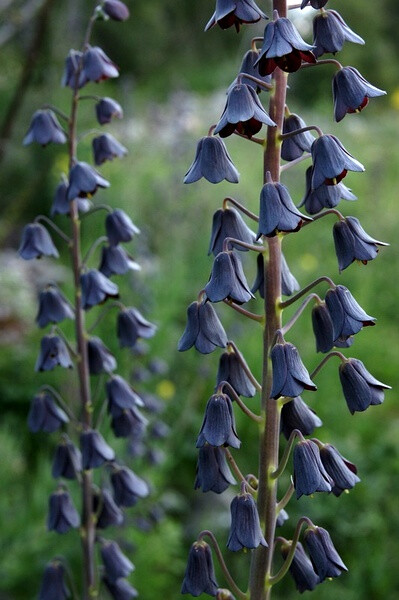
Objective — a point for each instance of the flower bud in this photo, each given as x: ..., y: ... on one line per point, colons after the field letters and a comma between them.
x: 116, y: 10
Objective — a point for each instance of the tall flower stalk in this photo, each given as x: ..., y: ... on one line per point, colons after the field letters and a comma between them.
x: 317, y: 466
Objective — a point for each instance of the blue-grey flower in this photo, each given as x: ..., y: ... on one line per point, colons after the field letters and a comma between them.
x: 36, y: 242
x: 97, y: 66
x: 203, y: 330
x: 248, y: 66
x: 72, y: 66
x: 309, y: 473
x: 289, y: 284
x: 62, y: 514
x: 45, y: 415
x: 53, y: 353
x: 314, y: 3
x: 116, y: 564
x: 116, y: 10
x: 331, y: 161
x: 53, y: 586
x: 231, y: 370
x: 277, y: 211
x: 290, y: 377
x: 323, y: 327
x: 199, y: 576
x: 325, y: 196
x: 347, y: 315
x: 213, y: 162
x: 127, y: 486
x: 84, y: 181
x: 95, y: 450
x: 330, y: 32
x: 119, y: 227
x: 283, y: 47
x: 107, y: 512
x: 44, y: 129
x: 62, y: 206
x: 235, y: 12
x: 351, y: 92
x: 100, y: 358
x: 120, y: 395
x: 245, y: 531
x: 116, y: 261
x: 218, y: 427
x: 125, y: 421
x: 293, y: 147
x: 212, y: 473
x: 227, y: 280
x: 67, y: 461
x: 301, y: 568
x: 53, y: 307
x: 341, y: 471
x: 243, y: 113
x: 297, y: 415
x: 353, y: 243
x: 108, y: 109
x: 96, y: 288
x: 106, y: 147
x: 120, y: 589
x: 325, y: 559
x: 360, y: 388
x: 229, y: 223
x: 282, y: 517
x: 132, y: 326
x: 159, y: 430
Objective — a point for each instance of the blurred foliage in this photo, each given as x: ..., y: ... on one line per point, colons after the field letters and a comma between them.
x: 170, y: 72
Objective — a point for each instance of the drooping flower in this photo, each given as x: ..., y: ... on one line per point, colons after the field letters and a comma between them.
x: 62, y: 515
x: 227, y: 279
x: 107, y: 512
x: 229, y: 223
x: 290, y: 377
x: 330, y: 32
x: 297, y: 415
x: 301, y: 568
x: 106, y: 147
x: 353, y: 243
x: 323, y: 327
x: 84, y: 181
x: 95, y: 450
x: 97, y: 66
x: 325, y: 196
x: 282, y: 517
x: 120, y: 395
x: 132, y: 326
x: 53, y: 586
x: 309, y: 473
x: 120, y: 589
x: 119, y: 227
x: 235, y: 12
x: 213, y: 473
x: 283, y: 47
x: 45, y: 415
x: 245, y: 530
x: 127, y: 486
x: 53, y: 353
x: 289, y: 284
x: 341, y: 471
x: 36, y: 242
x: 277, y: 211
x: 231, y: 370
x: 347, y: 315
x: 53, y: 307
x: 116, y: 564
x: 360, y: 388
x: 248, y: 66
x: 107, y: 109
x: 199, y: 576
x: 72, y: 66
x: 218, y: 427
x: 44, y: 129
x: 331, y: 161
x: 100, y: 358
x: 351, y: 92
x: 62, y: 206
x: 325, y: 559
x: 203, y: 330
x: 125, y: 421
x: 294, y: 146
x: 116, y: 261
x: 67, y: 461
x: 243, y: 113
x: 213, y: 162
x: 116, y: 10
x: 96, y: 288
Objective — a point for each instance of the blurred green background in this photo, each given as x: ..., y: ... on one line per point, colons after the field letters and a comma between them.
x: 172, y: 85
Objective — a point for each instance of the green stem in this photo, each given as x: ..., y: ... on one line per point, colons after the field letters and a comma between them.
x: 286, y: 136
x: 244, y: 365
x: 98, y: 242
x: 243, y: 311
x: 253, y: 247
x: 240, y: 207
x: 292, y: 163
x: 305, y: 290
x: 298, y: 313
x: 287, y: 563
x: 236, y: 469
x: 286, y: 454
x: 239, y: 402
x: 49, y: 222
x: 325, y: 360
x: 286, y: 498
